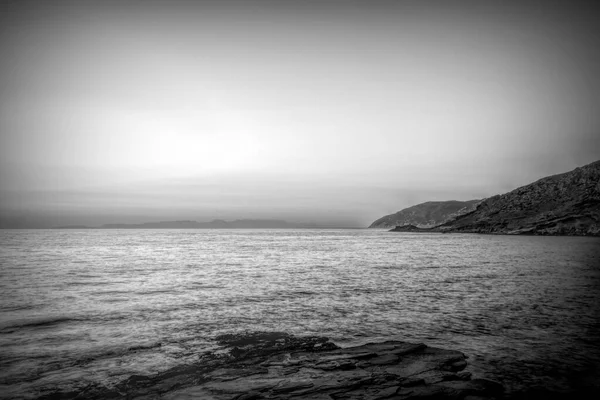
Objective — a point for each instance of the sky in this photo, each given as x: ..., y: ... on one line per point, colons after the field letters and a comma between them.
x: 331, y: 112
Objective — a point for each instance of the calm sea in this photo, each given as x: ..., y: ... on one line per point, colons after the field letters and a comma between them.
x: 80, y: 306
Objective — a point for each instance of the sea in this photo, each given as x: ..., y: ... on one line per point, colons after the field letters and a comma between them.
x: 79, y: 307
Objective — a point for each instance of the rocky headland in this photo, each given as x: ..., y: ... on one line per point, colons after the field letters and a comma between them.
x: 426, y: 215
x: 564, y: 204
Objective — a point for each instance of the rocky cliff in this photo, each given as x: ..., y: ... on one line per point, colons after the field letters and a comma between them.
x: 426, y: 215
x: 564, y: 204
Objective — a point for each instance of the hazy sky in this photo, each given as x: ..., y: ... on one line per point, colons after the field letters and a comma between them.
x: 324, y: 111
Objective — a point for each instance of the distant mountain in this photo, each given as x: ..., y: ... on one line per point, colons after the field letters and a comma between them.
x: 426, y: 215
x: 564, y: 204
x: 215, y: 224
x: 156, y: 225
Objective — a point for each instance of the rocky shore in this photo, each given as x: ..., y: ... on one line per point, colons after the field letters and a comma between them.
x: 273, y: 365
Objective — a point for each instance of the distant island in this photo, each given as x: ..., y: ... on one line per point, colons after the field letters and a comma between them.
x: 214, y: 224
x: 563, y: 204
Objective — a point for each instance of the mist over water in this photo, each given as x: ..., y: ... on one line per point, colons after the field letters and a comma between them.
x: 101, y: 305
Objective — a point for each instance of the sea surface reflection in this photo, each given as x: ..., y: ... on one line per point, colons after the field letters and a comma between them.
x: 80, y: 306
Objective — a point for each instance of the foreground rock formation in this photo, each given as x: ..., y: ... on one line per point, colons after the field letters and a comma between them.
x: 565, y: 204
x: 426, y: 215
x: 280, y: 366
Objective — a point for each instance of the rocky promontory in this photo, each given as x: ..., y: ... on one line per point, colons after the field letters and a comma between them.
x: 564, y: 204
x: 426, y: 215
x: 273, y: 365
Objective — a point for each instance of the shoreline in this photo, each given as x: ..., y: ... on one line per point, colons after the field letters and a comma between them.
x: 415, y: 229
x: 277, y: 365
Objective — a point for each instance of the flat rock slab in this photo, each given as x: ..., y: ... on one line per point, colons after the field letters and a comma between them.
x: 270, y: 365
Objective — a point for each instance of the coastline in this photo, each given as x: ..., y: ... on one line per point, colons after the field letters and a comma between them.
x: 523, y: 232
x: 277, y: 365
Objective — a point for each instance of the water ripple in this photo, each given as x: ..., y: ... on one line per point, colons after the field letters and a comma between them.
x: 100, y: 305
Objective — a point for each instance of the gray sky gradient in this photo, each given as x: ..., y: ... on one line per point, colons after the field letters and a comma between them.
x: 326, y: 111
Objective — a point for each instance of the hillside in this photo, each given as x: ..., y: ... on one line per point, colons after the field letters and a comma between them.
x: 564, y: 204
x: 426, y: 215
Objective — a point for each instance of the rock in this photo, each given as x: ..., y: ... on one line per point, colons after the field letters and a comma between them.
x: 250, y: 396
x: 271, y: 365
x: 331, y: 365
x: 384, y: 359
x: 564, y: 204
x: 387, y: 392
x: 455, y: 366
x: 464, y: 375
x: 426, y: 215
x: 292, y: 386
x: 410, y: 382
x: 409, y: 228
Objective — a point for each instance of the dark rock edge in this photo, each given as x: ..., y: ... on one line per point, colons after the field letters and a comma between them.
x: 277, y: 365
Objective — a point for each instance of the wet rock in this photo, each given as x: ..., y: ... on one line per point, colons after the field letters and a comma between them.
x: 292, y: 386
x: 331, y: 365
x: 386, y: 393
x: 458, y: 365
x: 464, y: 375
x: 276, y: 365
x: 250, y: 396
x: 410, y: 382
x: 384, y: 359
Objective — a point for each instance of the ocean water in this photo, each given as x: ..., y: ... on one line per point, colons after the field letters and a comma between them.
x: 81, y: 306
